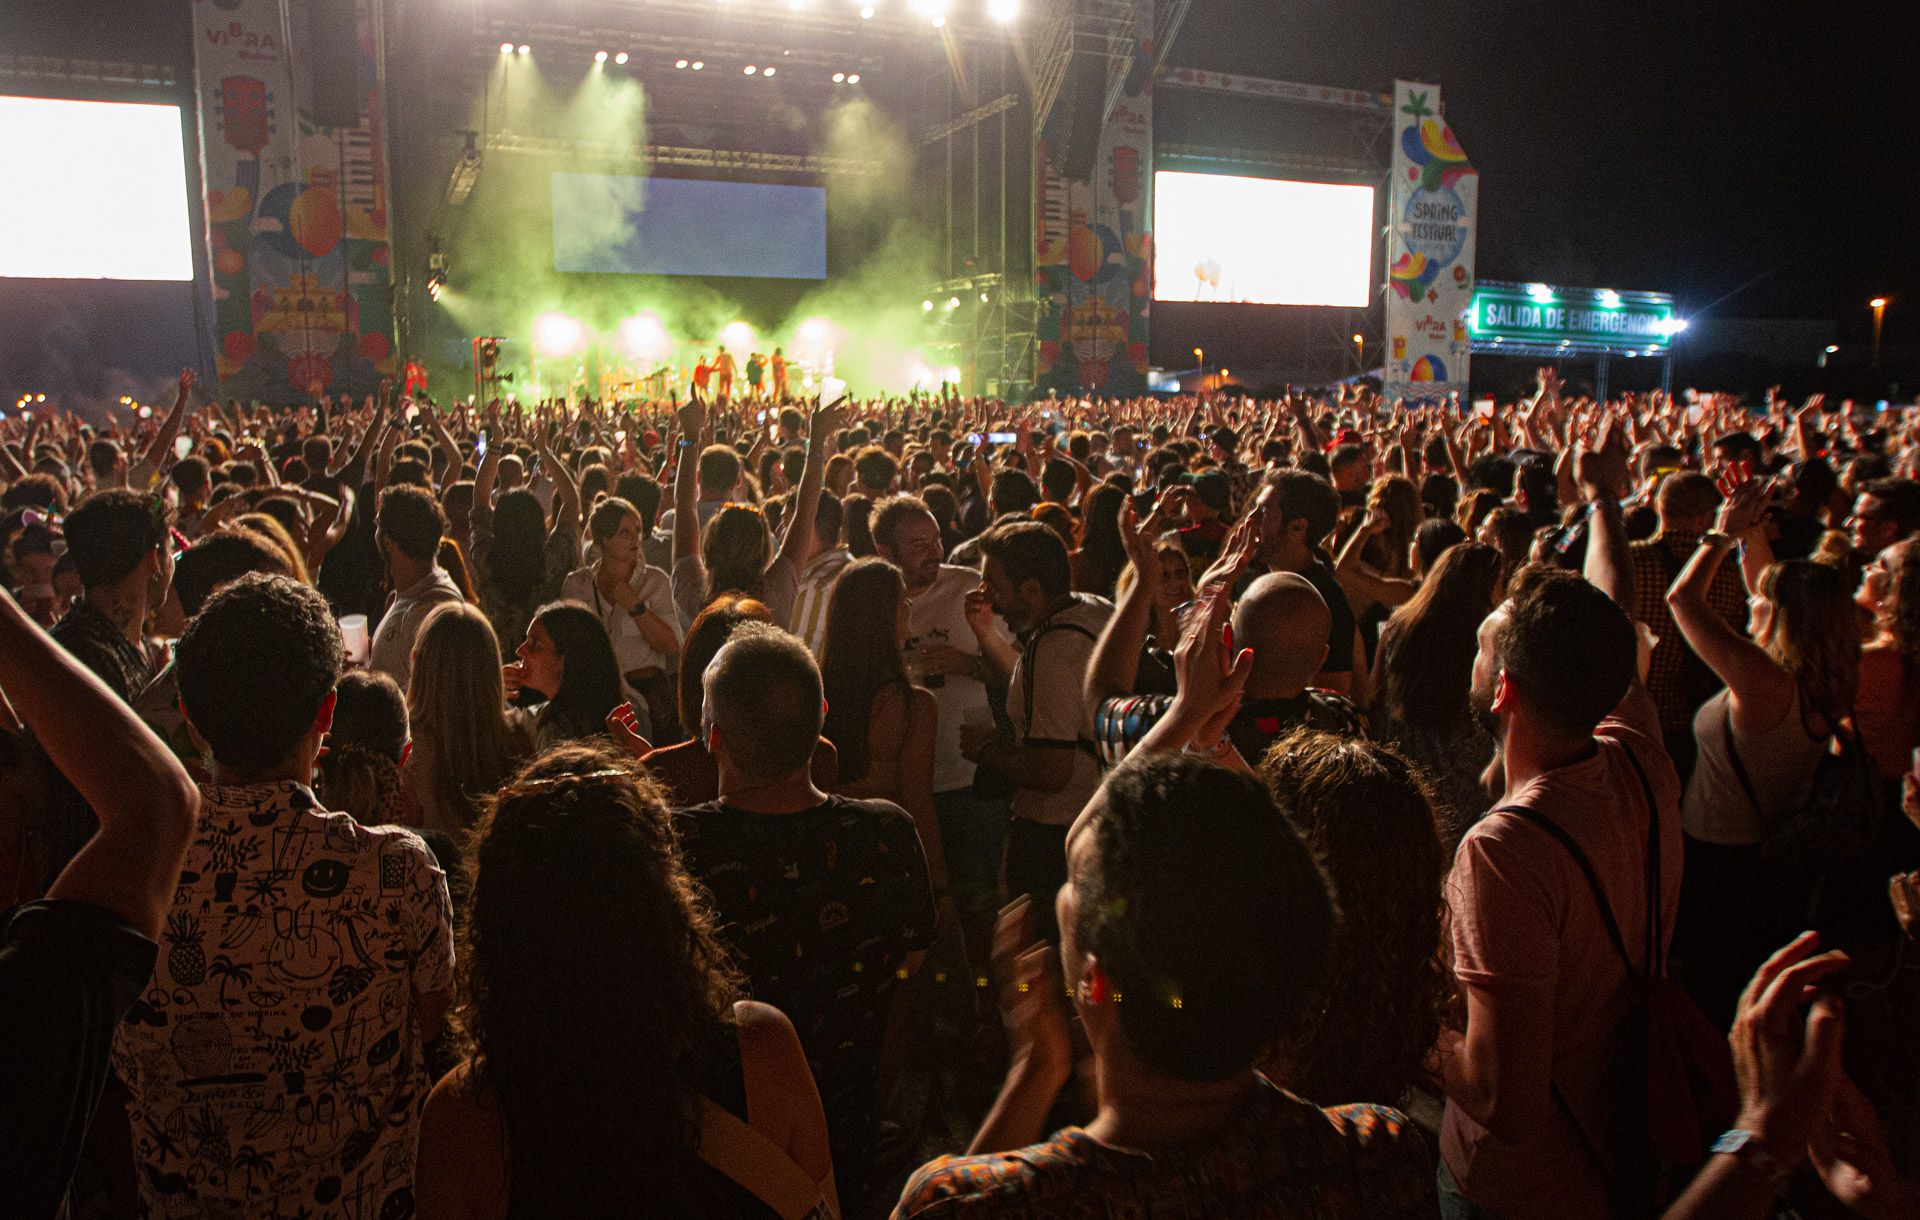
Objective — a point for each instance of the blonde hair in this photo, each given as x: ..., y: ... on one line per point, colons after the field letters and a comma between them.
x: 457, y: 703
x: 1814, y: 633
x: 270, y: 528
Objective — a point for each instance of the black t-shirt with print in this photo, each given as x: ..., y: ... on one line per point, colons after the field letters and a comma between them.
x: 68, y: 972
x: 820, y: 908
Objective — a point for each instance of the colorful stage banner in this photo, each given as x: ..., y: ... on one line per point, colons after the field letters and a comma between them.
x: 297, y: 234
x: 1434, y: 204
x: 1093, y: 247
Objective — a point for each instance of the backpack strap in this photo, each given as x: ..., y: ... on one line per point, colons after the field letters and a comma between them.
x: 1030, y: 654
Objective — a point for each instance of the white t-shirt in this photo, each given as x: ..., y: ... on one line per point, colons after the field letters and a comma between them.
x: 939, y: 616
x: 630, y: 647
x: 1053, y: 662
x: 816, y: 590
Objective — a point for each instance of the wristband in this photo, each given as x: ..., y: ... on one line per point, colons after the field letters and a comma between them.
x: 1718, y: 540
x: 1745, y: 1147
x: 1219, y: 749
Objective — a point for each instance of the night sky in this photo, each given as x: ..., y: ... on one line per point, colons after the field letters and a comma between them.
x: 1651, y: 144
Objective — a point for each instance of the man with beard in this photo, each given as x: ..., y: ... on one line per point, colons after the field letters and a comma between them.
x: 957, y: 647
x: 1579, y: 755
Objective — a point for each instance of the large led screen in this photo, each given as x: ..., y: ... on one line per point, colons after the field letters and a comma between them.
x: 1261, y: 241
x: 683, y: 226
x: 95, y: 191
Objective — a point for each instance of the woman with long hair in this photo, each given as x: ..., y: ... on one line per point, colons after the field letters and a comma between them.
x: 464, y: 741
x: 1885, y: 712
x: 611, y: 1062
x: 735, y: 552
x: 1375, y: 568
x: 518, y: 559
x: 1363, y: 810
x: 567, y: 669
x: 1101, y: 555
x: 1424, y: 668
x: 635, y: 603
x: 1789, y: 689
x: 882, y: 723
x: 359, y: 769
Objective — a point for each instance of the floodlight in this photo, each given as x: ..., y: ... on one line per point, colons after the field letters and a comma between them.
x: 599, y: 57
x: 620, y: 58
x: 1003, y: 11
x: 556, y: 334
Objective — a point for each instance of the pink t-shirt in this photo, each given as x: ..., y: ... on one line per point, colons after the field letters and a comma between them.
x: 1523, y: 914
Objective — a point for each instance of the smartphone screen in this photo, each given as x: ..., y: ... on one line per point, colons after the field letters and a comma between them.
x: 973, y: 438
x: 762, y: 418
x: 182, y: 446
x: 480, y: 446
x: 1001, y: 438
x: 1483, y: 408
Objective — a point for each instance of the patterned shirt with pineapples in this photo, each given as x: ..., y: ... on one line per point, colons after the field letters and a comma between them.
x: 276, y: 1060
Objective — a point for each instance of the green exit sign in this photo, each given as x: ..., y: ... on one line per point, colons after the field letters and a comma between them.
x: 1599, y: 320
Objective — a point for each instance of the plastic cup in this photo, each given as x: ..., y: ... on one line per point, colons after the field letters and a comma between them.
x: 353, y: 632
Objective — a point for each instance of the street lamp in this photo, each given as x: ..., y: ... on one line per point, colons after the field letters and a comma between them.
x: 1360, y: 351
x: 1879, y: 307
x: 1200, y: 361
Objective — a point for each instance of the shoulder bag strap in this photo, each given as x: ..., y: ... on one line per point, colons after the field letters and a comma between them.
x: 1739, y: 768
x: 1593, y: 879
x: 1565, y: 840
x: 1655, y: 920
x: 762, y: 1167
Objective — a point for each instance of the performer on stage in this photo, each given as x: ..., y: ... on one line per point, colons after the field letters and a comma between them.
x: 779, y: 363
x: 702, y: 374
x: 723, y: 369
x: 415, y: 377
x: 756, y: 366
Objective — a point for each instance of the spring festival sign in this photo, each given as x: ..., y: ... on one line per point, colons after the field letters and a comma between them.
x: 1430, y: 246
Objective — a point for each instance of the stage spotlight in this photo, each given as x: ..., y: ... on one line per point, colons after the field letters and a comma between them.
x: 679, y: 63
x: 839, y: 78
x: 525, y: 49
x: 768, y: 72
x: 939, y: 21
x: 953, y: 302
x: 506, y: 48
x: 599, y: 57
x: 1003, y: 11
x: 953, y: 375
x: 620, y: 58
x: 984, y: 298
x: 699, y: 64
x: 853, y: 78
x: 749, y: 69
x: 927, y: 306
x: 644, y: 337
x: 866, y: 14
x: 737, y: 335
x: 814, y: 333
x: 556, y: 334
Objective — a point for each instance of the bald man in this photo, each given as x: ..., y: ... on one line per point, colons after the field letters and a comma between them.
x: 1282, y: 617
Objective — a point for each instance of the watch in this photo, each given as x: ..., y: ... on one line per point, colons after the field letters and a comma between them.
x: 1745, y: 1147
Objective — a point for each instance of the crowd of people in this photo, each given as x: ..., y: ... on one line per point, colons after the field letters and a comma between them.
x: 1196, y: 807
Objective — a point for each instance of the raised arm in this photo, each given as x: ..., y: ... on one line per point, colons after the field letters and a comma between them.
x: 1116, y: 656
x: 686, y: 477
x: 136, y: 787
x: 1604, y: 477
x: 146, y: 471
x: 821, y: 427
x: 1759, y: 689
x: 566, y: 490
